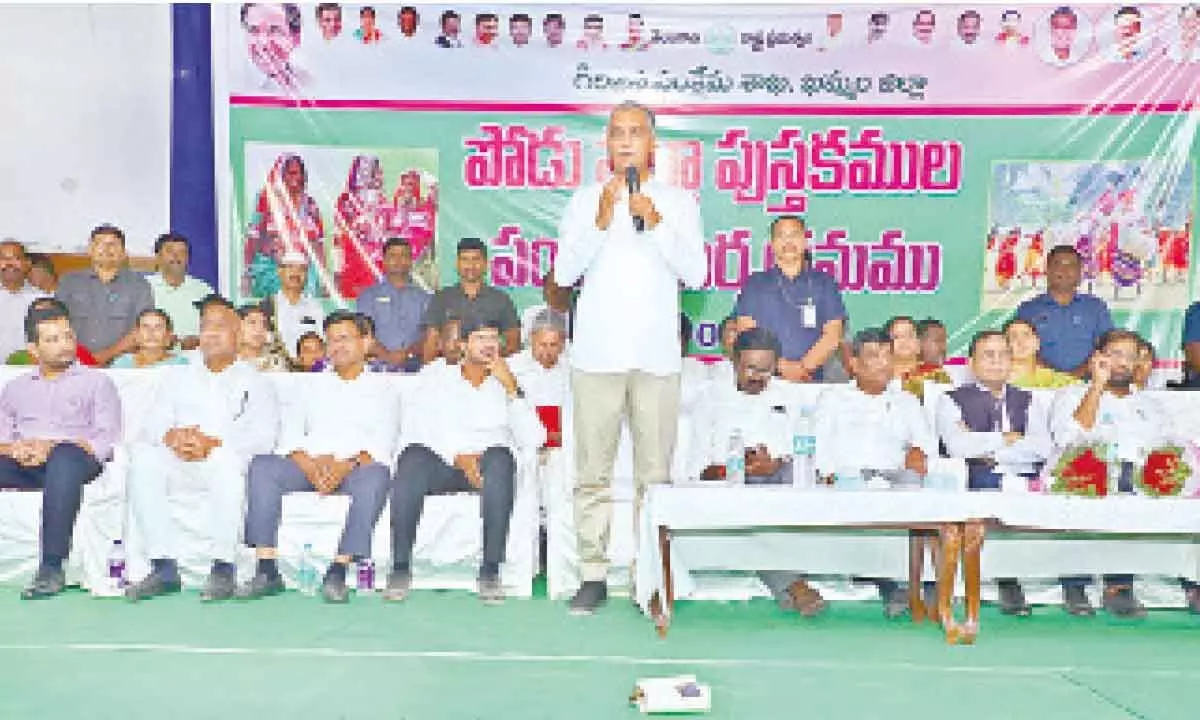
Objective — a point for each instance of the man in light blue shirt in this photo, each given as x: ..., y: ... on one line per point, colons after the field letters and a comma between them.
x: 176, y: 292
x: 396, y: 307
x: 1068, y: 322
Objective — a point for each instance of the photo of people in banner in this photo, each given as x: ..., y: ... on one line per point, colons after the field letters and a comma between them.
x: 1131, y: 222
x: 336, y: 207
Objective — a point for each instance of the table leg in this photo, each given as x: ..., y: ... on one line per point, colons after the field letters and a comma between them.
x: 662, y: 609
x: 973, y: 536
x: 950, y: 545
x: 916, y: 563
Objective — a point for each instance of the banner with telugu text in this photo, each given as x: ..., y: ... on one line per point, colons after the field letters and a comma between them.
x: 936, y: 154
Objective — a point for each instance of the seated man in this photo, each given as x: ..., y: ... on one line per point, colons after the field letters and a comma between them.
x: 753, y: 407
x: 542, y: 371
x: 989, y: 424
x: 474, y: 421
x: 1110, y: 410
x: 257, y: 344
x: 207, y: 421
x: 449, y: 347
x: 339, y: 437
x: 872, y: 428
x: 24, y: 357
x: 57, y: 425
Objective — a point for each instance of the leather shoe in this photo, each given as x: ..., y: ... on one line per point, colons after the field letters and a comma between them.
x: 1119, y: 601
x: 1075, y: 601
x: 46, y: 583
x: 152, y: 585
x: 219, y: 586
x: 260, y: 586
x: 1012, y: 601
x: 333, y: 588
x: 1193, y: 600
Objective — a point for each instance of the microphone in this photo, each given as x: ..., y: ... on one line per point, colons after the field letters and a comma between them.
x: 633, y: 183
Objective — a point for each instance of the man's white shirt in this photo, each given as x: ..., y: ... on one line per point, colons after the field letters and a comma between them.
x: 542, y: 386
x: 332, y: 416
x: 1017, y: 458
x: 238, y: 406
x: 290, y: 320
x: 13, y: 306
x: 1137, y: 422
x: 856, y: 431
x: 761, y: 419
x: 178, y: 302
x: 451, y: 417
x: 627, y: 316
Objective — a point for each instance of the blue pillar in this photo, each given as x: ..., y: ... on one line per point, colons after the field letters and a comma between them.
x: 193, y: 180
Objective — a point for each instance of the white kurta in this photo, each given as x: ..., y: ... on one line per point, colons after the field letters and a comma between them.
x: 856, y: 431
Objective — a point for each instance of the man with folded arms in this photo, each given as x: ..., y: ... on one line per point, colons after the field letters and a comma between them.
x: 58, y: 424
x: 991, y: 424
x: 339, y: 437
x: 871, y: 428
x: 475, y: 421
x: 208, y: 419
x: 1109, y: 409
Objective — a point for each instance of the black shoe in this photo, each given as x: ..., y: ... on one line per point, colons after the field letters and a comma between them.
x: 220, y: 586
x: 260, y: 586
x: 1193, y: 600
x: 333, y: 588
x: 491, y: 590
x: 930, y: 598
x: 399, y: 585
x: 1012, y: 601
x: 152, y: 585
x: 1075, y: 601
x: 1121, y: 602
x: 590, y: 596
x: 46, y: 583
x: 895, y: 605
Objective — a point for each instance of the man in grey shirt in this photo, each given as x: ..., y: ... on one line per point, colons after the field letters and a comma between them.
x: 471, y: 297
x: 105, y: 301
x: 396, y: 306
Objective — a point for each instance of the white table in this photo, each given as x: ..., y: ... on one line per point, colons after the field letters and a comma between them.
x: 684, y: 512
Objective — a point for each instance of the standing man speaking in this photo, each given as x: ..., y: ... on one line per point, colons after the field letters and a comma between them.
x: 632, y: 240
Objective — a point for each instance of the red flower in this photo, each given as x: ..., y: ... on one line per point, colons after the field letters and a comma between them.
x: 1165, y: 473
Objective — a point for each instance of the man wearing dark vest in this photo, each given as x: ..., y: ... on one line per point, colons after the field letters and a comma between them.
x: 989, y: 424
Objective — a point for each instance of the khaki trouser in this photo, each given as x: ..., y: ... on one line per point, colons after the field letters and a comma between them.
x: 601, y: 401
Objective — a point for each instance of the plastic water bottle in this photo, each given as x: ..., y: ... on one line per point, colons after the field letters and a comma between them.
x: 804, y: 449
x: 366, y: 575
x: 735, y: 460
x: 116, y: 568
x: 1112, y: 456
x: 306, y: 574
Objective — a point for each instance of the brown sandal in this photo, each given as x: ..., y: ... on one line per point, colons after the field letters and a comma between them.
x: 805, y: 600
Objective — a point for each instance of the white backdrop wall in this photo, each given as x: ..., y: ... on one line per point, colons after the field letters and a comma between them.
x: 85, y: 107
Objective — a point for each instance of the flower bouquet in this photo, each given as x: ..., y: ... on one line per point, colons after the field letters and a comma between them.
x: 1080, y: 470
x: 1165, y: 473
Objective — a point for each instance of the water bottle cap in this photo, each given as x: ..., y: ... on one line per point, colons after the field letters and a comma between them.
x: 308, y: 546
x: 116, y: 542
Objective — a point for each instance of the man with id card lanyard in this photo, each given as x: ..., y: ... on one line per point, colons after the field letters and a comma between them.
x: 800, y: 306
x: 208, y: 419
x: 997, y: 428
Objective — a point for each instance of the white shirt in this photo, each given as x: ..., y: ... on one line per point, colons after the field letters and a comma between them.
x: 695, y: 381
x: 178, y: 302
x: 541, y: 386
x: 238, y: 406
x: 292, y: 321
x: 856, y: 431
x: 1018, y: 458
x: 451, y: 417
x: 762, y: 420
x: 13, y: 306
x: 342, y: 418
x: 627, y: 316
x: 1136, y: 422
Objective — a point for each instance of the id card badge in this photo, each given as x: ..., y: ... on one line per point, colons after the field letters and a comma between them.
x: 808, y: 314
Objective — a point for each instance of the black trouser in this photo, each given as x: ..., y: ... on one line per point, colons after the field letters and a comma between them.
x: 61, y: 478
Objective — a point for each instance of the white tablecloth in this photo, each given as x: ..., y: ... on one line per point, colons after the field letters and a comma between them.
x: 729, y: 522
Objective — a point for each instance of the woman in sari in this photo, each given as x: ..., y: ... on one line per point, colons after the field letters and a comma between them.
x: 910, y: 371
x: 1027, y: 371
x: 415, y: 220
x: 285, y: 219
x: 361, y: 218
